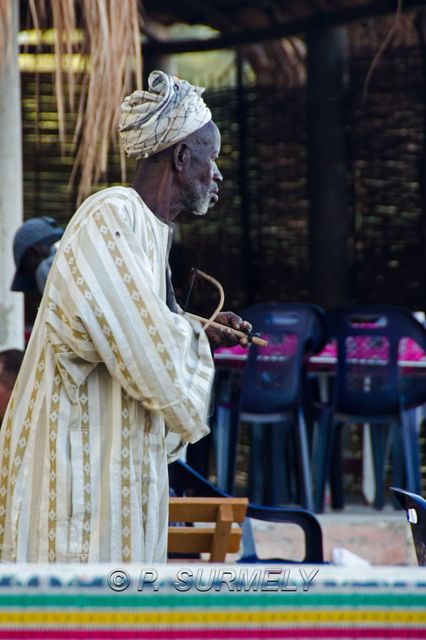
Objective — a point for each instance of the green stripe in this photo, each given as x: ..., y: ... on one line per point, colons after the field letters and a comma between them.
x: 201, y: 600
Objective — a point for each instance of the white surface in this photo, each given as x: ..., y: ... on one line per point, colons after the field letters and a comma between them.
x: 11, y: 303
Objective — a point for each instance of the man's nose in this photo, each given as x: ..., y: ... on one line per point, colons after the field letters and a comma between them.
x: 217, y: 175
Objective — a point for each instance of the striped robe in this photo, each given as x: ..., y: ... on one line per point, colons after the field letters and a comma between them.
x: 110, y: 376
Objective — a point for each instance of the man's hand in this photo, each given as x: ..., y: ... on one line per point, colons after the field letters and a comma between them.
x: 224, y: 337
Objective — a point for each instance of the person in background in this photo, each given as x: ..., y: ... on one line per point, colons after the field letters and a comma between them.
x: 10, y: 363
x: 34, y: 249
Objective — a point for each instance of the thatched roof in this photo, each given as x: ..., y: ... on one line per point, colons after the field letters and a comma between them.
x: 110, y: 52
x: 270, y: 34
x: 249, y: 21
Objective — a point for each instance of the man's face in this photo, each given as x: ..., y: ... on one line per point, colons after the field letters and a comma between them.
x: 200, y: 191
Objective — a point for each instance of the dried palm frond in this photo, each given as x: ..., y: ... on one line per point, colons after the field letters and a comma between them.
x: 385, y: 43
x: 63, y: 15
x: 280, y: 62
x: 111, y: 49
x: 114, y: 46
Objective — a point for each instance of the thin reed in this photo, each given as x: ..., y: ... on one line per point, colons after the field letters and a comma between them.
x: 106, y: 35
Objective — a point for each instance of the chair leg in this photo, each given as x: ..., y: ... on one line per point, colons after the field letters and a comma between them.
x: 321, y: 456
x: 379, y: 433
x: 234, y: 436
x: 226, y: 436
x: 255, y: 484
x: 398, y: 462
x: 248, y: 543
x: 305, y: 461
x: 336, y: 469
x: 275, y: 471
x: 221, y: 436
x: 288, y: 464
x: 410, y: 442
x: 291, y: 470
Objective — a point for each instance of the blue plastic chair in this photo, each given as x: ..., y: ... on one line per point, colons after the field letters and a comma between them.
x: 368, y: 388
x: 272, y: 397
x: 189, y: 482
x: 415, y: 509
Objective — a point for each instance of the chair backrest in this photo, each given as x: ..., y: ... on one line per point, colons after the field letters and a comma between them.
x: 187, y: 481
x: 415, y: 509
x: 368, y: 337
x: 217, y: 540
x: 273, y: 374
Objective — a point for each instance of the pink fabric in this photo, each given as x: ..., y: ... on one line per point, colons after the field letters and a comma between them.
x: 362, y: 348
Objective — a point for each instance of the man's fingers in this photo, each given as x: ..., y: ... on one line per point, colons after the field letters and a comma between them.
x: 224, y: 336
x: 231, y: 319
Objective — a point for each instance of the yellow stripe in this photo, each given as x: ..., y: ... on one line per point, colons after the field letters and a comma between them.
x: 134, y: 293
x: 103, y: 324
x: 8, y: 483
x: 126, y: 530
x: 78, y: 336
x: 214, y: 617
x: 5, y: 464
x: 87, y: 486
x: 145, y: 470
x: 52, y: 511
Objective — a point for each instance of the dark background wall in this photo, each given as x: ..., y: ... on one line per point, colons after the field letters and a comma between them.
x: 255, y: 241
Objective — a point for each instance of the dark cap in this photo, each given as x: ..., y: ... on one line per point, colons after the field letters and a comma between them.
x: 32, y: 232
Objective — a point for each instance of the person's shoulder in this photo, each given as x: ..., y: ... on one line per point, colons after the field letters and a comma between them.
x: 108, y: 203
x: 116, y: 196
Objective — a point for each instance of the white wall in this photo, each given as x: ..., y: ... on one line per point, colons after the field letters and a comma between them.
x: 11, y: 304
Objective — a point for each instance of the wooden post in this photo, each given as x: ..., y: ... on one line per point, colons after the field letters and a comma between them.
x: 246, y: 249
x: 327, y: 166
x: 421, y: 28
x: 11, y: 304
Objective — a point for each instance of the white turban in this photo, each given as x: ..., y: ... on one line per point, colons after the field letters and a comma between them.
x: 154, y: 120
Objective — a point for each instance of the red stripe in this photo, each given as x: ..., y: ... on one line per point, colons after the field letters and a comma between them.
x: 212, y: 634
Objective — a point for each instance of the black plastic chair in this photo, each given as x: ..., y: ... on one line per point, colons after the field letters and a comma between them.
x: 368, y: 388
x: 271, y: 399
x: 187, y: 481
x: 415, y: 508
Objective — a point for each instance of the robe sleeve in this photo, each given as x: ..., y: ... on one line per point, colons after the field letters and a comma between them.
x: 160, y: 358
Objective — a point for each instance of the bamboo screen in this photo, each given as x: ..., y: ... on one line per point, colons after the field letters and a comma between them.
x: 256, y: 239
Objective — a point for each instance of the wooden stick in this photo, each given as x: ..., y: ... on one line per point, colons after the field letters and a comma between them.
x: 240, y: 334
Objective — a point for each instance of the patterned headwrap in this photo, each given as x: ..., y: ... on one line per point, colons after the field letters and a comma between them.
x: 154, y: 120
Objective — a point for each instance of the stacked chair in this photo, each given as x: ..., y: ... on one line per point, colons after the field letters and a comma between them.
x: 272, y: 399
x: 369, y: 388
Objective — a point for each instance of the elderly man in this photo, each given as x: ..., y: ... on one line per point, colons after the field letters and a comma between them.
x: 115, y: 379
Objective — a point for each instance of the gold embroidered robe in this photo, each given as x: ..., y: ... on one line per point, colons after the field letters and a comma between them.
x: 108, y: 373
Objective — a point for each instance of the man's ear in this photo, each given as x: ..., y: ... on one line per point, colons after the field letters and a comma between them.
x: 181, y: 156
